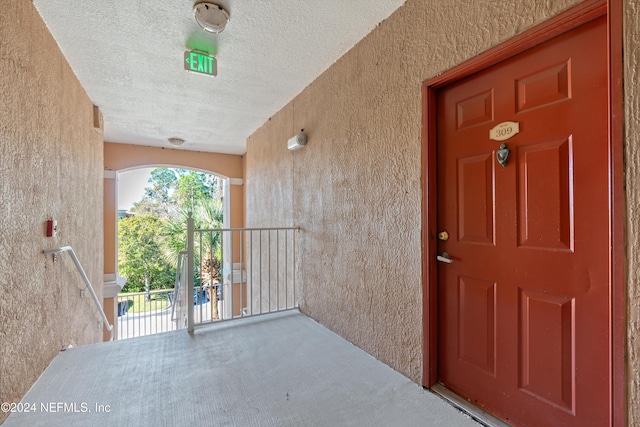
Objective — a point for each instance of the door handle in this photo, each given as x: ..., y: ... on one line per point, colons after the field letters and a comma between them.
x: 444, y: 257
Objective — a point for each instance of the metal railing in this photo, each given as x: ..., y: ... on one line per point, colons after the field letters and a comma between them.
x: 85, y: 279
x: 241, y: 272
x: 153, y: 312
x: 146, y: 313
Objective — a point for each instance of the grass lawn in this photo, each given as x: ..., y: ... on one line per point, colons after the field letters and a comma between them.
x: 139, y: 304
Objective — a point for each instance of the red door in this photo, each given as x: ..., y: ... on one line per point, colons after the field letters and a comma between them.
x: 524, y: 327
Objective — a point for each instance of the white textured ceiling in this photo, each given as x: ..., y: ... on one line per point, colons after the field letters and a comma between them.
x: 128, y: 56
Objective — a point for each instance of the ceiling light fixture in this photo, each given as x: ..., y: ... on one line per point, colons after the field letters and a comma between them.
x: 210, y: 16
x: 176, y: 142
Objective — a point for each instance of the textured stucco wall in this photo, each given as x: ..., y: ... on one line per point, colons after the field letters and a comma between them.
x: 632, y: 171
x: 50, y: 167
x: 355, y: 189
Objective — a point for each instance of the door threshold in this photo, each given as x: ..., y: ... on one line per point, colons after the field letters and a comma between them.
x: 467, y: 407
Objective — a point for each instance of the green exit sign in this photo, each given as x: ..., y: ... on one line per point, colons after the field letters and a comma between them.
x: 201, y: 63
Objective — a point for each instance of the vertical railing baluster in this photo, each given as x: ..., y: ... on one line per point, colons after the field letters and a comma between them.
x: 241, y: 268
x: 231, y: 256
x: 260, y: 267
x: 250, y: 271
x: 295, y: 302
x: 277, y: 270
x: 209, y: 313
x: 190, y: 272
x: 142, y: 313
x: 222, y: 255
x: 199, y: 288
x: 140, y: 320
x: 137, y: 313
x: 269, y: 269
x: 215, y: 279
x: 286, y: 270
x: 117, y: 324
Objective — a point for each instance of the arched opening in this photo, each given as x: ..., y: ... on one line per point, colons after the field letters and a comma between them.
x: 154, y: 205
x: 123, y: 158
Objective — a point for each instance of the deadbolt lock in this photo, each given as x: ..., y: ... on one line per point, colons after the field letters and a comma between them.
x: 443, y: 235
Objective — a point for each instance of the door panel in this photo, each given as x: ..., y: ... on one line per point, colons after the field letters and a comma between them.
x: 544, y: 87
x: 545, y: 195
x: 524, y: 307
x: 475, y: 110
x: 476, y: 308
x: 547, y: 353
x: 475, y: 200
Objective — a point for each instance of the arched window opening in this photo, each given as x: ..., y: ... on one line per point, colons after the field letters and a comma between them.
x: 153, y: 207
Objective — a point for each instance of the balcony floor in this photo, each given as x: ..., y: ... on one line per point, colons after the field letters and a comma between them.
x: 281, y: 369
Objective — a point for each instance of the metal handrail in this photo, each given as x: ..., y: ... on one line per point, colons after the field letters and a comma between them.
x: 87, y: 283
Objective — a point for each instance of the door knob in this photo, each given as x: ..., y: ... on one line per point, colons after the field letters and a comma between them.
x: 444, y: 257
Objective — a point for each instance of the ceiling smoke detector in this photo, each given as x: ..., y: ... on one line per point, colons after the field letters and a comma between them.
x: 176, y: 142
x: 210, y: 16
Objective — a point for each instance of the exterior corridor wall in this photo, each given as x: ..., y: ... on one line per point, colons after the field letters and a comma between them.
x: 50, y: 167
x: 355, y: 188
x: 632, y: 172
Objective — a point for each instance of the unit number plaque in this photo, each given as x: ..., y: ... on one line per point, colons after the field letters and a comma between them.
x: 504, y: 131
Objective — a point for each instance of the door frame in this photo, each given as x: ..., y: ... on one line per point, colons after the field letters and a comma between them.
x: 565, y: 21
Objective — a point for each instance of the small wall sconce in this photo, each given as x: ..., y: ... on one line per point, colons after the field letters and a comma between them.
x: 297, y: 141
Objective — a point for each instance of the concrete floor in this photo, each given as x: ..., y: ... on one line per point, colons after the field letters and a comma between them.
x: 281, y: 369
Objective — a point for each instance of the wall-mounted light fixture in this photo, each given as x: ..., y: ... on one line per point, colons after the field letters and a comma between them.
x: 297, y: 141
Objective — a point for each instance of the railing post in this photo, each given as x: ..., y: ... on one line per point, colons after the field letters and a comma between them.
x: 191, y: 272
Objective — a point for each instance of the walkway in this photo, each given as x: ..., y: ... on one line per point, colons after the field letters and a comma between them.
x: 280, y: 369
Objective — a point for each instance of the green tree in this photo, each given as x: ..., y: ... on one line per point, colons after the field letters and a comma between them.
x: 173, y: 233
x: 140, y: 257
x: 172, y: 190
x: 150, y: 243
x: 191, y: 190
x: 207, y: 245
x: 158, y: 199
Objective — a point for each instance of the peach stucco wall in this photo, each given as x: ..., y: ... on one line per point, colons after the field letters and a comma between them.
x: 632, y: 171
x: 51, y: 164
x: 119, y: 157
x: 355, y: 189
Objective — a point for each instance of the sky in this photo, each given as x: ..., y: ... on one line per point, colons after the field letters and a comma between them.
x: 131, y: 185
